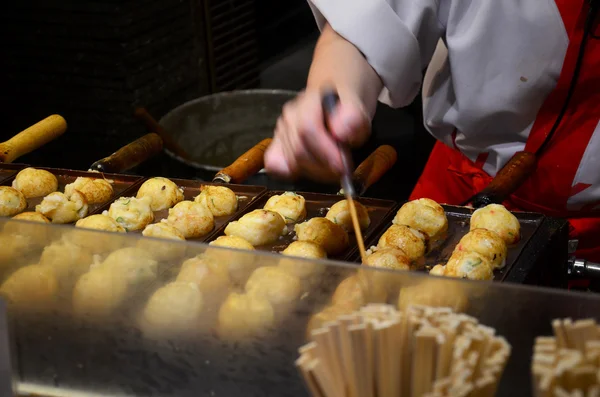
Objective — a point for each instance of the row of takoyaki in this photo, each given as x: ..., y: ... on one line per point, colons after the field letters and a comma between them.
x: 267, y: 225
x: 55, y: 206
x: 186, y: 219
x: 417, y: 227
x: 484, y: 248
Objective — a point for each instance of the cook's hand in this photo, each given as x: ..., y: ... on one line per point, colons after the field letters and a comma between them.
x: 302, y: 146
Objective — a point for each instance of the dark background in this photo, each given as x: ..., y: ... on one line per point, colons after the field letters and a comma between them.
x: 93, y: 62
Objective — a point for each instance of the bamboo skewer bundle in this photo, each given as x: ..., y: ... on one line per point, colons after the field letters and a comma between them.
x: 379, y: 351
x: 568, y: 364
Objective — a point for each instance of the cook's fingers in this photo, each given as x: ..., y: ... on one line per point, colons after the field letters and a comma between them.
x: 315, y: 139
x: 320, y: 172
x: 276, y: 163
x: 350, y: 124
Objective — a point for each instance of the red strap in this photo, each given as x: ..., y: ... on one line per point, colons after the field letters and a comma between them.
x: 573, y: 13
x: 552, y: 185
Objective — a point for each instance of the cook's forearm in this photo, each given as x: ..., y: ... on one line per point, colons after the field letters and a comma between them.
x: 339, y: 64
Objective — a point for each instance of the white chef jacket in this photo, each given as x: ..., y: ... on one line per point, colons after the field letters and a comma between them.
x: 504, y: 59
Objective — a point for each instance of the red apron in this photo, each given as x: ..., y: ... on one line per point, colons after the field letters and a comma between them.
x: 450, y: 177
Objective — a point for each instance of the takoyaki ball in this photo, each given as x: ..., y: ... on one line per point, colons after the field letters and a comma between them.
x: 307, y: 250
x: 31, y: 217
x: 275, y: 284
x: 38, y: 236
x: 243, y: 315
x: 95, y: 190
x: 97, y: 243
x: 321, y: 231
x: 424, y: 215
x: 32, y: 287
x: 405, y: 238
x: 291, y: 206
x: 259, y: 227
x: 173, y: 309
x: 68, y: 260
x: 35, y: 183
x: 162, y: 251
x: 137, y: 266
x: 163, y: 230
x: 438, y: 270
x: 163, y: 193
x: 62, y: 209
x: 389, y: 258
x: 12, y: 201
x: 131, y: 213
x: 432, y: 292
x: 240, y: 264
x: 486, y: 243
x: 232, y: 242
x: 192, y: 219
x: 211, y: 277
x: 220, y: 200
x: 100, y: 222
x: 498, y: 219
x: 99, y: 293
x: 358, y: 290
x: 339, y: 213
x: 469, y: 265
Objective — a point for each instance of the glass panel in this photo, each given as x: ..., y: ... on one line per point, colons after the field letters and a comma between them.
x: 118, y: 314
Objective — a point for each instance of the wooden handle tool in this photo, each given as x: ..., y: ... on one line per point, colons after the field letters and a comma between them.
x: 373, y: 168
x: 153, y: 126
x: 246, y: 165
x: 507, y: 181
x: 32, y: 138
x: 130, y: 155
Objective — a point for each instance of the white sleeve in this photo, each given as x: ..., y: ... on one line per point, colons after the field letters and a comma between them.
x: 397, y: 37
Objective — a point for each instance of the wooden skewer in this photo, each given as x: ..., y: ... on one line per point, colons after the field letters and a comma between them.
x: 395, y: 339
x: 336, y: 351
x: 357, y: 231
x: 424, y: 361
x: 309, y: 379
x: 317, y: 368
x: 561, y: 338
x: 445, y: 354
x: 370, y: 358
x: 358, y: 354
x: 346, y: 344
x: 326, y: 355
